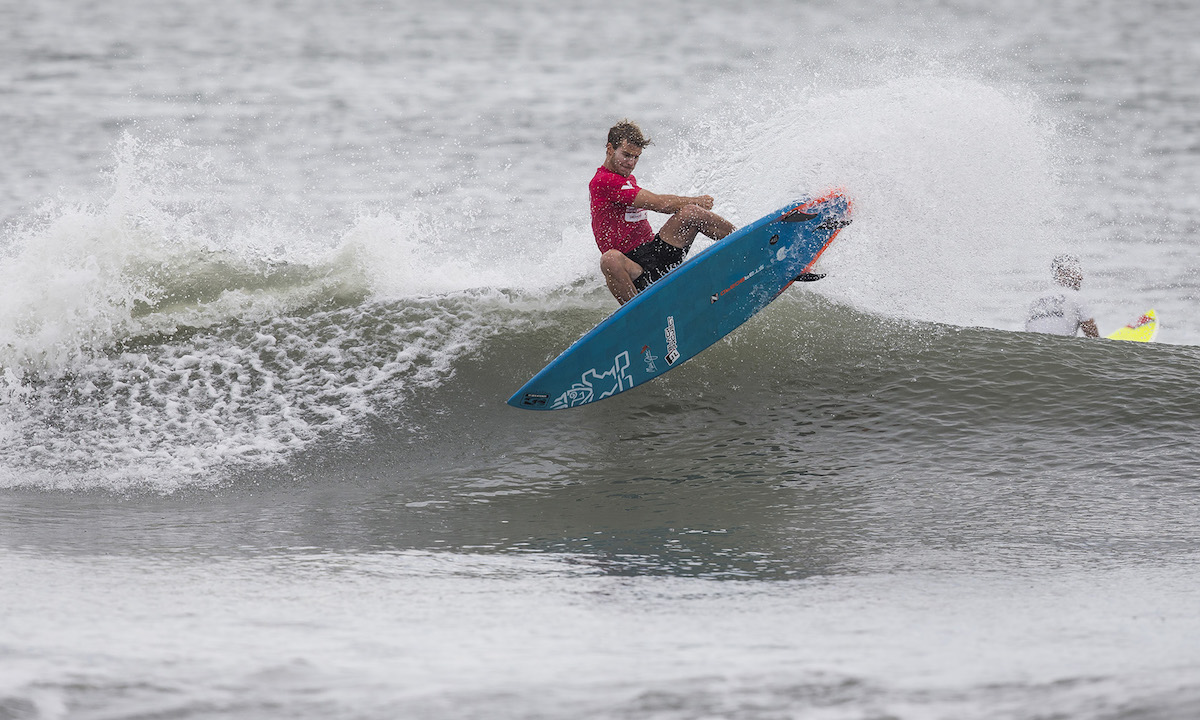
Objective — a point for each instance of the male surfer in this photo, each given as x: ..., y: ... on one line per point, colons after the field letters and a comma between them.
x: 1062, y: 313
x: 633, y: 256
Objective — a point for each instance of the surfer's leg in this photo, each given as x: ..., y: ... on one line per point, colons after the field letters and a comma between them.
x: 681, y: 228
x: 619, y: 274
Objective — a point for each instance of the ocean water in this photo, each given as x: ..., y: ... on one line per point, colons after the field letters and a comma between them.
x: 269, y: 271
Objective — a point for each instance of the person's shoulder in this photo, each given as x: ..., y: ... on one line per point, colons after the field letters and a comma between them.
x: 607, y: 181
x: 602, y: 177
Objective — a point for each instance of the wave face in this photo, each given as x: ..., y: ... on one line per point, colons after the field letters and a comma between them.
x: 182, y: 325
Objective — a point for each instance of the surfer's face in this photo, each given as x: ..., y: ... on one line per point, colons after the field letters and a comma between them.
x: 622, y: 160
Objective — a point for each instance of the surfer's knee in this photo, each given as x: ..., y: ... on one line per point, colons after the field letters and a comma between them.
x: 615, y: 262
x: 693, y: 214
x: 695, y: 218
x: 611, y: 260
x: 619, y: 275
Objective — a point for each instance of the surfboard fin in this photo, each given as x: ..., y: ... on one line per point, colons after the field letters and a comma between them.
x: 797, y: 215
x: 809, y: 277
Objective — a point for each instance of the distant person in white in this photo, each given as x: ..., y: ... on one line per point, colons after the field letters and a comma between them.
x: 1063, y: 313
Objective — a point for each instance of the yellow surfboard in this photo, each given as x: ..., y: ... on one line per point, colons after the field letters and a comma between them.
x: 1144, y: 329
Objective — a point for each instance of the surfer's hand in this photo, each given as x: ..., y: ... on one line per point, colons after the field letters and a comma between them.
x: 704, y: 201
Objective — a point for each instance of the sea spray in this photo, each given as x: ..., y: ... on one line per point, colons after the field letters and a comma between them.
x: 953, y: 183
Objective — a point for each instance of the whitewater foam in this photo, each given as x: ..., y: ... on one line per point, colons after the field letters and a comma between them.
x: 952, y: 182
x: 162, y: 332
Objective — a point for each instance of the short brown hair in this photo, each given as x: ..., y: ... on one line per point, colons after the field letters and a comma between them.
x: 627, y: 130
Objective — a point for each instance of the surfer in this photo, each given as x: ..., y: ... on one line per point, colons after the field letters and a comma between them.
x: 632, y: 255
x: 1062, y: 313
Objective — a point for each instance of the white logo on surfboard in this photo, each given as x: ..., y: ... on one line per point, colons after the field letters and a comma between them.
x: 610, y: 382
x: 672, y: 344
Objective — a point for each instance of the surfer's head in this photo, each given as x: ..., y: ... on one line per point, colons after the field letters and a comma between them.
x: 627, y: 131
x: 1067, y: 271
x: 625, y: 143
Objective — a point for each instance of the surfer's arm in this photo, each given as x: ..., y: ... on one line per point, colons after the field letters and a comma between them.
x: 1089, y: 328
x: 669, y: 204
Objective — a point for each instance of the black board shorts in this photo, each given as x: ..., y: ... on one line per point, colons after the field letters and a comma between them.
x: 657, y: 258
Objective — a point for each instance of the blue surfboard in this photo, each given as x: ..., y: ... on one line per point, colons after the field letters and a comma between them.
x: 697, y: 304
